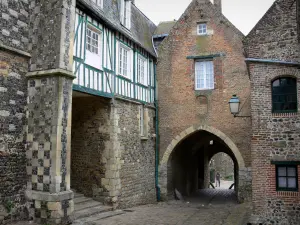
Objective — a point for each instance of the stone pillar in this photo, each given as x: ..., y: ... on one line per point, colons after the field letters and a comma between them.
x: 245, y: 185
x: 49, y: 147
x: 111, y: 184
x: 49, y: 106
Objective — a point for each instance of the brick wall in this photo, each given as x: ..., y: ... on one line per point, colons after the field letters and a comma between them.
x: 13, y: 92
x: 275, y: 135
x: 90, y: 134
x: 137, y: 171
x: 180, y: 106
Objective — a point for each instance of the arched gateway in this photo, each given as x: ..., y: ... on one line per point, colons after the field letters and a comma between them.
x: 207, y: 132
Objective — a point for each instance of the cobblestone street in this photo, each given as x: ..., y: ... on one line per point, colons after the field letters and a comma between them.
x: 208, y: 207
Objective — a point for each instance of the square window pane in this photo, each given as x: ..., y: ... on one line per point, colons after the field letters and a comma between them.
x: 292, y: 183
x: 281, y: 171
x: 282, y: 182
x: 276, y: 83
x: 291, y: 171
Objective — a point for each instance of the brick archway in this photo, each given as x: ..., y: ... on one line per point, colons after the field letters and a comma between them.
x: 163, y: 166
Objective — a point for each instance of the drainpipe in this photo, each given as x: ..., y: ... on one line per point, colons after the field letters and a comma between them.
x: 156, y: 129
x: 157, y: 138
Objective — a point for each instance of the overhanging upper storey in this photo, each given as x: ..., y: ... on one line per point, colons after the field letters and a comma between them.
x: 108, y: 63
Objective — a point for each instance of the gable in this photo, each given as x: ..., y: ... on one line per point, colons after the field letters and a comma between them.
x: 207, y: 11
x: 275, y: 36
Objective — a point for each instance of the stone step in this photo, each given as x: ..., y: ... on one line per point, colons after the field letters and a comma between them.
x: 82, y: 199
x: 96, y: 219
x: 86, y: 205
x: 87, y: 212
x: 78, y: 195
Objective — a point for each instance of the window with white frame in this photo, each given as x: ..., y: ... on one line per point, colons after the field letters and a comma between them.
x: 151, y: 75
x: 204, y: 75
x: 125, y: 13
x: 124, y: 61
x: 98, y: 2
x: 93, y: 43
x: 92, y: 40
x: 202, y: 29
x: 142, y: 70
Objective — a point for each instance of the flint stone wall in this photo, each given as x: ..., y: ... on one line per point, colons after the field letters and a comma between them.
x: 14, y: 19
x: 13, y: 94
x: 90, y: 137
x: 137, y: 171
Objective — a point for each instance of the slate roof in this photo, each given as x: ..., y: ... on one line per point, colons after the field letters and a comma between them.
x: 142, y: 28
x: 164, y: 27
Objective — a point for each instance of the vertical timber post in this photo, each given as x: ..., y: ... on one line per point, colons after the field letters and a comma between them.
x: 50, y: 80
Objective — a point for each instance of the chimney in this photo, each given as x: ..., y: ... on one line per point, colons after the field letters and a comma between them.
x: 218, y: 4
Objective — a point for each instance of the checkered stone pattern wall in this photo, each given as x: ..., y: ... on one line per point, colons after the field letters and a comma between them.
x: 48, y: 143
x: 52, y: 212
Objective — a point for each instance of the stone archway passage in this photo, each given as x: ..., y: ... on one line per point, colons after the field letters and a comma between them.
x: 243, y: 172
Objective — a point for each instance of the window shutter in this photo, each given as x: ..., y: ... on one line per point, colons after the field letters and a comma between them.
x: 128, y: 14
x: 210, y: 73
x: 130, y: 64
x: 117, y: 57
x: 145, y: 72
x: 197, y: 75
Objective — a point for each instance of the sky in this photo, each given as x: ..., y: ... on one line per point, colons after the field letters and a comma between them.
x: 244, y: 14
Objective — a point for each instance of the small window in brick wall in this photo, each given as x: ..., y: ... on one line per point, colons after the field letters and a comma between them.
x: 202, y: 29
x: 286, y: 178
x: 143, y: 122
x: 284, y: 95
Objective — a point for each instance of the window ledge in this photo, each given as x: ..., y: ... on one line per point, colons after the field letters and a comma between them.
x: 124, y: 77
x: 286, y: 193
x: 284, y: 114
x: 144, y: 138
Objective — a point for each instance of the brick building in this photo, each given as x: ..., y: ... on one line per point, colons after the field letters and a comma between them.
x: 200, y: 66
x: 272, y: 51
x: 94, y: 60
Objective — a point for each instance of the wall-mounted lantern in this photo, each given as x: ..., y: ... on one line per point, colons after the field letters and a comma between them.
x: 234, y: 105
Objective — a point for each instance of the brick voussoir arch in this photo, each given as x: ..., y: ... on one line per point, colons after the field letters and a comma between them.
x: 283, y: 72
x: 209, y: 129
x: 163, y: 166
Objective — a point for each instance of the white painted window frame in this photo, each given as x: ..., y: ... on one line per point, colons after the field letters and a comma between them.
x: 98, y: 3
x: 125, y: 13
x: 202, y: 29
x: 92, y: 58
x: 99, y: 40
x: 204, y: 73
x: 120, y: 61
x: 142, y: 70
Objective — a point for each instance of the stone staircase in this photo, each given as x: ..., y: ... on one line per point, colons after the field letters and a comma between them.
x: 89, y: 212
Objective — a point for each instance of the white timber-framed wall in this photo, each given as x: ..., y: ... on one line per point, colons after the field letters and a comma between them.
x: 101, y: 72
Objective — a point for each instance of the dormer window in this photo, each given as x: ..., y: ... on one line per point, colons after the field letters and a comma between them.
x: 202, y: 29
x: 125, y: 13
x: 98, y: 2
